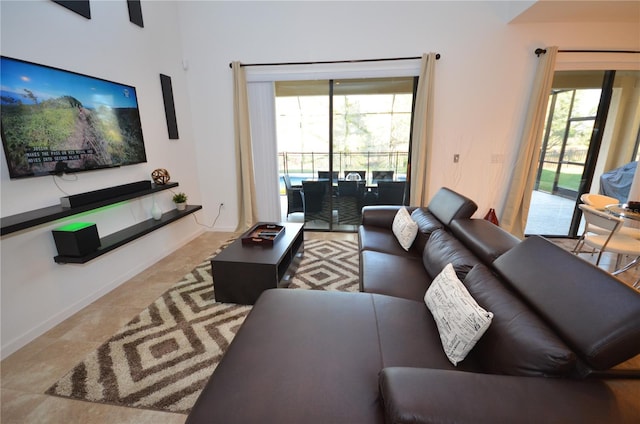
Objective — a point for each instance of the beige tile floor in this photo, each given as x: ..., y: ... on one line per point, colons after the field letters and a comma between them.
x: 29, y: 372
x: 26, y: 374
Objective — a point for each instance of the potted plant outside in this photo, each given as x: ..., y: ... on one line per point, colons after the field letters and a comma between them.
x: 180, y: 199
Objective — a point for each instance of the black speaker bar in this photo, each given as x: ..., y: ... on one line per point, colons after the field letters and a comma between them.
x: 95, y: 196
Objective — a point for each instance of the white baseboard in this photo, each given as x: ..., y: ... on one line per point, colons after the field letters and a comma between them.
x: 17, y: 343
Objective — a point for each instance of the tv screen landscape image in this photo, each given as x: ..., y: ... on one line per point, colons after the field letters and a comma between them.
x: 55, y: 121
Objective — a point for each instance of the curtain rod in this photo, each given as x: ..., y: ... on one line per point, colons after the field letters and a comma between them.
x: 540, y: 51
x: 333, y: 61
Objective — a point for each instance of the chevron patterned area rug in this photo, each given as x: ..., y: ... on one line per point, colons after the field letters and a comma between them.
x: 162, y: 358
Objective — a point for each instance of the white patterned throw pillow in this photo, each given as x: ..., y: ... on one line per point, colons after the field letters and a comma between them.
x: 460, y: 320
x: 404, y: 228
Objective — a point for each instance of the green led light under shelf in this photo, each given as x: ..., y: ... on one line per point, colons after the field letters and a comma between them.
x: 75, y: 226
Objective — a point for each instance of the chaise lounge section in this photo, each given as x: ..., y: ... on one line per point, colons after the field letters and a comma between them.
x: 377, y: 356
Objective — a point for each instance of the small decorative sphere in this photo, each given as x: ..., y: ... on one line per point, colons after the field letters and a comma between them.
x: 160, y: 176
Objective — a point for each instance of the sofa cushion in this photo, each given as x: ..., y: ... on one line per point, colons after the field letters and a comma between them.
x: 447, y: 205
x: 442, y: 248
x: 415, y: 396
x: 484, y: 239
x: 404, y: 228
x: 460, y: 320
x: 381, y: 215
x: 562, y: 287
x: 427, y: 224
x: 301, y: 356
x: 518, y: 341
x: 409, y: 336
x: 393, y: 275
x: 382, y: 240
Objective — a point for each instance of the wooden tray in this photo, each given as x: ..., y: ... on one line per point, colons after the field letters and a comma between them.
x: 263, y: 235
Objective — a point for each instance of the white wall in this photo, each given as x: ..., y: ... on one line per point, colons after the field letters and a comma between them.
x: 482, y: 80
x: 36, y: 293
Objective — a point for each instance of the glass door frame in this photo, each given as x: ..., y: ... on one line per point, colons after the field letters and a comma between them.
x: 594, y: 147
x: 591, y: 158
x: 331, y: 82
x: 335, y: 154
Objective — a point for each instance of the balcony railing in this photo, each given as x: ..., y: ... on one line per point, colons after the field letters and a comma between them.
x: 307, y: 164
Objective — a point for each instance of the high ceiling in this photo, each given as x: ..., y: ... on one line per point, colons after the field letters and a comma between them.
x: 580, y: 11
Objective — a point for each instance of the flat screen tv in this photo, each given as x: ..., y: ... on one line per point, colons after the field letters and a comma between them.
x: 55, y: 121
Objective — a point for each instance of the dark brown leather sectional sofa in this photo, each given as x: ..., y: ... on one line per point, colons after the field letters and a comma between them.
x: 559, y: 326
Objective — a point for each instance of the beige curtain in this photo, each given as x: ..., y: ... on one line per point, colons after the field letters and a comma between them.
x: 523, y: 177
x: 422, y: 136
x: 247, y: 212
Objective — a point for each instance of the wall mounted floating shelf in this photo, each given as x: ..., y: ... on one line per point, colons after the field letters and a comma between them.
x: 122, y: 237
x: 30, y: 219
x: 26, y: 220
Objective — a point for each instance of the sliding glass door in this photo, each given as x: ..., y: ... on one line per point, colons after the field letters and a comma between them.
x: 592, y: 129
x: 343, y: 144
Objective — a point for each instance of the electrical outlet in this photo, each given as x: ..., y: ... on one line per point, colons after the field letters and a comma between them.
x: 497, y: 158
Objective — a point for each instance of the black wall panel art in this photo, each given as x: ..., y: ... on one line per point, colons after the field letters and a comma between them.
x: 169, y: 107
x: 135, y: 12
x: 81, y: 7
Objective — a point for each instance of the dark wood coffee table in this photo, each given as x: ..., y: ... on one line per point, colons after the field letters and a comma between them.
x: 242, y: 272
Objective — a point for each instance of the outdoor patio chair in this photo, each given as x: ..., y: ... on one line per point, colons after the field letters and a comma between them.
x: 377, y: 176
x: 294, y: 196
x: 391, y: 192
x: 313, y: 193
x: 324, y: 175
x: 362, y: 174
x: 350, y: 188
